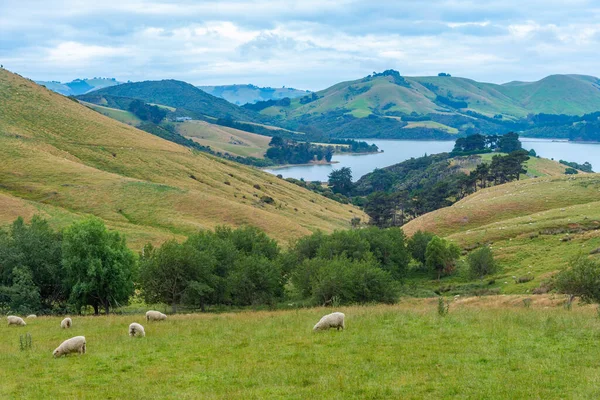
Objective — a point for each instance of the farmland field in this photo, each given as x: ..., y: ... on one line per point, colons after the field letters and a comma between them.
x: 492, y: 348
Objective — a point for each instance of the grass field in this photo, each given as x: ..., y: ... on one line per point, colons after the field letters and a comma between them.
x: 485, y: 348
x: 123, y: 116
x: 225, y: 139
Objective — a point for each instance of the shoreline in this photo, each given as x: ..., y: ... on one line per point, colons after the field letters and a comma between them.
x: 274, y: 167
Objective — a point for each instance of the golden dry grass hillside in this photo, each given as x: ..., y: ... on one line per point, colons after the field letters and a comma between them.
x: 63, y: 160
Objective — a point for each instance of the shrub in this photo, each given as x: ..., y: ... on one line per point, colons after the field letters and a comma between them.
x: 581, y: 279
x: 481, y: 263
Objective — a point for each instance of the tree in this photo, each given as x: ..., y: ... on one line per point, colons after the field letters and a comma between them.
x: 581, y: 279
x: 276, y: 141
x: 481, y: 262
x: 380, y: 207
x: 175, y: 273
x: 417, y: 245
x: 509, y: 142
x: 340, y: 181
x: 440, y: 256
x: 99, y: 267
x: 36, y: 250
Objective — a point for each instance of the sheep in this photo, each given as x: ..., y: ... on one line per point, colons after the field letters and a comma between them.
x: 333, y: 320
x: 136, y: 329
x: 66, y: 323
x: 74, y: 345
x: 12, y: 320
x: 155, y: 316
x: 31, y: 316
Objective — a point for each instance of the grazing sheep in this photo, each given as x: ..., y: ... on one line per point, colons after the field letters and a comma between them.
x: 31, y: 316
x: 66, y: 323
x: 334, y: 320
x: 155, y: 316
x: 74, y: 345
x: 12, y: 320
x: 136, y: 329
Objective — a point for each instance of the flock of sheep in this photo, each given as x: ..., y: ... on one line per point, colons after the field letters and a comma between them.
x: 77, y: 344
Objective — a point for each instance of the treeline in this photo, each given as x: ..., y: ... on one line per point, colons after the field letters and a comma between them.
x: 86, y: 267
x: 283, y: 151
x: 43, y: 271
x: 147, y: 112
x: 476, y: 144
x: 585, y: 167
x: 440, y: 185
x: 261, y: 105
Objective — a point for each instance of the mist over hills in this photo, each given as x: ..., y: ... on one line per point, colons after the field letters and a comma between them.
x: 243, y: 94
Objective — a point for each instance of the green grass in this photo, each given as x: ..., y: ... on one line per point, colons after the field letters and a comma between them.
x: 123, y: 116
x: 432, y: 125
x: 493, y: 348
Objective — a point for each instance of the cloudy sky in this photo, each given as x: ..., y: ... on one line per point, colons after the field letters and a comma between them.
x: 308, y: 44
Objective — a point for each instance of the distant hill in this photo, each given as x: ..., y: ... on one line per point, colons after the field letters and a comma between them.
x: 64, y: 161
x: 79, y: 86
x: 242, y: 94
x: 187, y: 99
x: 390, y: 105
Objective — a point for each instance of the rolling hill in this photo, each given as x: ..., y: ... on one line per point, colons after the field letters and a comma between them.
x: 79, y: 86
x: 187, y: 99
x: 535, y: 226
x: 388, y: 105
x: 64, y: 161
x: 242, y: 94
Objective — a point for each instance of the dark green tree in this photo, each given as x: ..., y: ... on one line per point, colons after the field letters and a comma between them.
x: 340, y: 181
x: 99, y: 267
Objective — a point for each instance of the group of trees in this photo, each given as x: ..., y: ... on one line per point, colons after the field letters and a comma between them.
x: 475, y: 144
x: 285, y: 151
x: 429, y: 183
x: 87, y: 267
x: 585, y: 167
x: 147, y: 112
x: 45, y: 271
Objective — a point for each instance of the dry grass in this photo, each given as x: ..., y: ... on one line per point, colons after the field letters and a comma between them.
x: 59, y: 153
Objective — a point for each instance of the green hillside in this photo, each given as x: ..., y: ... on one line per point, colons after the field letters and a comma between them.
x: 388, y: 105
x: 185, y: 98
x: 63, y: 160
x: 534, y: 226
x: 242, y: 94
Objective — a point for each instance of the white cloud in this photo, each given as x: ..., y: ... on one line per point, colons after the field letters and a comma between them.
x: 308, y: 44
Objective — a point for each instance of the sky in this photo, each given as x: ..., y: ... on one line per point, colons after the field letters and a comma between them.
x: 306, y: 44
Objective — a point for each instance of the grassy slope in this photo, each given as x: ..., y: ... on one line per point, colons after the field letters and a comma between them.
x: 404, y: 351
x: 225, y: 139
x: 123, y: 116
x: 527, y: 222
x: 60, y: 153
x: 568, y: 94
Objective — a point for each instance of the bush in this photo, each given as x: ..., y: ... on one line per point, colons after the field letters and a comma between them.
x: 481, y: 263
x: 417, y: 245
x: 581, y: 280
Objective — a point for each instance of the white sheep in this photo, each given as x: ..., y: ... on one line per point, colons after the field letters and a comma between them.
x: 333, y: 320
x: 66, y: 323
x: 74, y: 345
x: 136, y: 329
x: 155, y: 316
x: 12, y: 320
x: 31, y: 316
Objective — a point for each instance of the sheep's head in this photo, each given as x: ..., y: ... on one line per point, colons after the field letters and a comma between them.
x: 56, y: 353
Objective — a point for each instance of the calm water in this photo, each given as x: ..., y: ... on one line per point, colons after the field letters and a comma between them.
x: 396, y: 151
x: 577, y: 152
